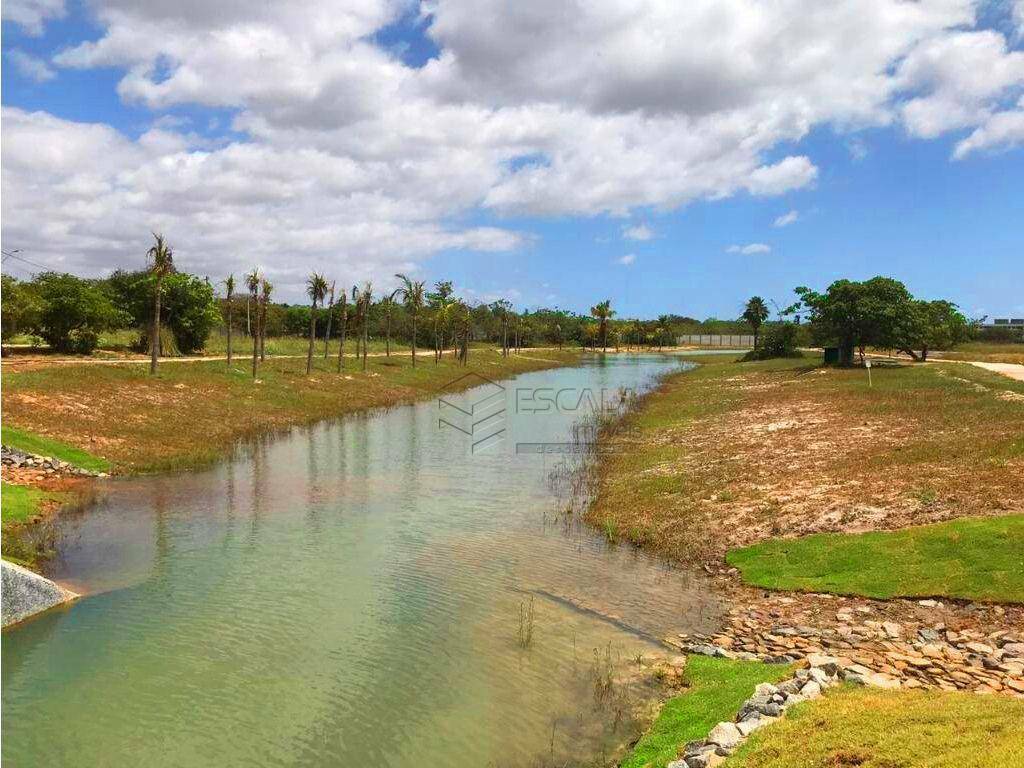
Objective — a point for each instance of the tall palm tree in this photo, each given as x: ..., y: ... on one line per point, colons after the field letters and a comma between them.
x: 389, y: 304
x: 365, y: 302
x: 316, y: 289
x: 343, y: 318
x: 267, y: 288
x: 252, y: 282
x: 161, y: 264
x: 603, y: 312
x: 412, y: 296
x: 229, y: 284
x: 330, y: 312
x: 755, y: 313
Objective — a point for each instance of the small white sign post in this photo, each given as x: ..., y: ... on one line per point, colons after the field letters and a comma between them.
x: 867, y: 364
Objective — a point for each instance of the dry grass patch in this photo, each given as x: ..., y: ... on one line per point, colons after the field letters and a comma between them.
x: 734, y: 453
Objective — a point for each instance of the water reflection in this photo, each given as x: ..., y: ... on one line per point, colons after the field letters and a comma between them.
x: 346, y: 593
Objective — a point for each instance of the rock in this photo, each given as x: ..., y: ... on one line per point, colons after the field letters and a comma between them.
x: 765, y: 689
x: 928, y: 603
x: 818, y: 676
x: 26, y: 593
x: 879, y: 680
x: 748, y: 727
x: 829, y: 664
x: 979, y: 648
x: 1014, y: 649
x: 811, y: 690
x: 725, y: 735
x: 892, y: 629
x: 1014, y: 685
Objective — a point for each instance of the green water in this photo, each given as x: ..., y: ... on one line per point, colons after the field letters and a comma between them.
x: 349, y: 594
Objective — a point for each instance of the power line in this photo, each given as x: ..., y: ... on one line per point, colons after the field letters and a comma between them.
x: 13, y: 255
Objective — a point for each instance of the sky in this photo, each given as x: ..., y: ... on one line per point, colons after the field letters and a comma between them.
x: 672, y: 157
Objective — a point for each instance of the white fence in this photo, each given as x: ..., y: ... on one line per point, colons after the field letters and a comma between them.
x: 716, y: 339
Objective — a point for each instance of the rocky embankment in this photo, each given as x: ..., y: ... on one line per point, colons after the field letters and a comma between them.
x: 15, y: 459
x: 894, y: 644
x: 26, y: 593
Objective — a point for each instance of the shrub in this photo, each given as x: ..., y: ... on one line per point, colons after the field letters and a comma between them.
x: 778, y: 340
x: 188, y: 307
x: 73, y: 312
x: 21, y: 307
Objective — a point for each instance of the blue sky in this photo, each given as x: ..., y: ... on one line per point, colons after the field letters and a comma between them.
x: 875, y: 186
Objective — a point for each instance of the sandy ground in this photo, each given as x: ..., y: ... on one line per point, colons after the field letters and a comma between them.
x: 1012, y: 370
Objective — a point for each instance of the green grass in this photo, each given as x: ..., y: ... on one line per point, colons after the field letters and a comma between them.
x: 19, y: 504
x: 871, y: 728
x: 972, y: 558
x: 717, y: 689
x: 193, y: 413
x: 26, y: 441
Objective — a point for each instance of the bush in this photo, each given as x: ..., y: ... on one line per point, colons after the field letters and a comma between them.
x: 73, y: 312
x: 188, y: 307
x: 21, y: 307
x: 779, y: 340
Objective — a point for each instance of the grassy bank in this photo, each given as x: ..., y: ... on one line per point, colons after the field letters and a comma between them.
x: 735, y: 453
x: 972, y: 558
x: 872, y: 728
x: 21, y: 504
x: 717, y: 688
x: 30, y: 443
x: 193, y: 413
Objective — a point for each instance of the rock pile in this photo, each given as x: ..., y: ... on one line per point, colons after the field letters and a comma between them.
x: 885, y: 653
x: 46, y: 465
x: 767, y: 705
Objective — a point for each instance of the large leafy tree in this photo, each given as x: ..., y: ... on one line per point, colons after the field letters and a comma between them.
x: 755, y: 313
x: 160, y: 259
x: 72, y: 312
x: 21, y: 307
x: 931, y: 325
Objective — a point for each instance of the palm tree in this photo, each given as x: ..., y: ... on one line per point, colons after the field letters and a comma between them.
x: 603, y: 312
x: 230, y: 285
x: 365, y: 302
x: 343, y: 317
x: 252, y: 282
x: 330, y: 311
x: 267, y: 289
x: 389, y: 304
x: 755, y: 313
x: 412, y: 297
x: 161, y: 264
x: 316, y: 289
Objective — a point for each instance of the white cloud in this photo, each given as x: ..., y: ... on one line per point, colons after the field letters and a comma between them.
x: 786, y: 219
x: 639, y: 232
x: 32, y: 15
x: 749, y: 250
x: 32, y: 67
x: 961, y: 77
x: 1001, y: 131
x: 626, y: 260
x: 354, y: 160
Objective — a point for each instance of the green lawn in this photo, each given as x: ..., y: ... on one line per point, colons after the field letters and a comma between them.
x: 973, y: 558
x: 718, y: 688
x: 19, y: 503
x: 872, y: 728
x: 26, y: 441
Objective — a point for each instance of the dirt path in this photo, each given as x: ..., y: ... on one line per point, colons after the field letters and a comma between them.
x: 1013, y: 370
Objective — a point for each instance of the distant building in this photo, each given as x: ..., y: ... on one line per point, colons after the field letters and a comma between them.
x: 1005, y: 322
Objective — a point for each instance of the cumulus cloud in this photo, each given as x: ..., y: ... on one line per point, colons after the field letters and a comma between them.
x: 1001, y: 131
x: 342, y: 155
x: 786, y: 219
x: 626, y: 260
x: 639, y: 232
x: 31, y: 66
x: 32, y: 15
x: 749, y: 250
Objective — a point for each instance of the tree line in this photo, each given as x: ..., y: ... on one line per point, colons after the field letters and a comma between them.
x: 175, y: 312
